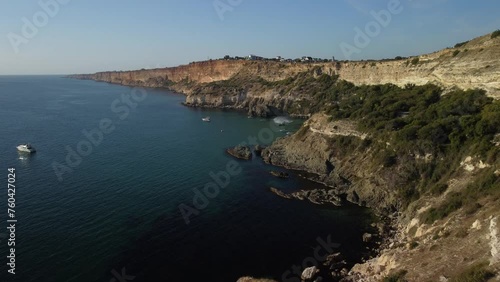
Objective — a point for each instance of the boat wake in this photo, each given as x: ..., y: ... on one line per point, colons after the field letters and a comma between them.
x: 282, y: 120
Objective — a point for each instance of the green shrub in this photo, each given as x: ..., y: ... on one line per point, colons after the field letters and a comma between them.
x: 435, y: 236
x: 462, y: 233
x: 398, y: 276
x: 439, y: 188
x: 302, y: 131
x: 446, y: 234
x: 495, y: 34
x: 386, y: 158
x: 453, y: 202
x: 472, y: 209
x: 415, y: 61
x: 413, y: 245
x: 455, y: 53
x: 461, y: 44
x: 389, y: 160
x: 487, y: 183
x: 475, y: 273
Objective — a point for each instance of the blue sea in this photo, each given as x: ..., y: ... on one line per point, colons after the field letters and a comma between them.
x: 100, y: 199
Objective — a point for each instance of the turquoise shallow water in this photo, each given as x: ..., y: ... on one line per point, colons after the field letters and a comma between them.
x: 119, y: 208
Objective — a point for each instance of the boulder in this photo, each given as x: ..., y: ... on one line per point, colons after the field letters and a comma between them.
x: 309, y: 273
x: 367, y: 237
x: 280, y: 193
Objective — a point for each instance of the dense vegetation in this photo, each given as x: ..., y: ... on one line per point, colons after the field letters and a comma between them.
x: 475, y: 273
x: 495, y: 34
x: 396, y: 277
x: 461, y: 44
x: 417, y: 121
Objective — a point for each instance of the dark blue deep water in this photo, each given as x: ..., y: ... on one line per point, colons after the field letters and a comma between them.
x: 117, y: 210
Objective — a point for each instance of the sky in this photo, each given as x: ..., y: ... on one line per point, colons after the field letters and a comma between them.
x: 87, y: 36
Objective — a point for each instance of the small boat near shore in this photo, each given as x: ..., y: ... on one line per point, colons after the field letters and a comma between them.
x: 26, y: 148
x: 206, y: 119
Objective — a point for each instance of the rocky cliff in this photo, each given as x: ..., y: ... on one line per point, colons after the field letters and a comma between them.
x: 314, y: 149
x: 472, y: 65
x: 462, y: 244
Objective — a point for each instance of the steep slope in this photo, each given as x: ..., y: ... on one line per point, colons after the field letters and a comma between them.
x: 433, y: 166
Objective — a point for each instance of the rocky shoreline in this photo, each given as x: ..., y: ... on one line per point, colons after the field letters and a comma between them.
x: 335, y: 267
x: 315, y: 196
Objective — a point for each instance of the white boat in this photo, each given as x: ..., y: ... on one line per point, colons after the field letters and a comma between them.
x: 207, y: 119
x: 26, y: 148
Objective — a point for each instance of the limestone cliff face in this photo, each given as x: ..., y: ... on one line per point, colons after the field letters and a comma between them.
x: 311, y: 149
x: 473, y: 65
x: 200, y: 72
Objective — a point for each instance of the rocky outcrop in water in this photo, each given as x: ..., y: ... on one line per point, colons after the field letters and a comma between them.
x: 240, y: 152
x: 315, y: 196
x: 279, y: 174
x: 309, y: 273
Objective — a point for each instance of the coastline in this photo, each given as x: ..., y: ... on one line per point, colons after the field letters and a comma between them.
x: 373, y: 248
x: 370, y: 172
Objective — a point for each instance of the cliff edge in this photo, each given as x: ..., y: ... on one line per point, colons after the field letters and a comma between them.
x: 472, y: 64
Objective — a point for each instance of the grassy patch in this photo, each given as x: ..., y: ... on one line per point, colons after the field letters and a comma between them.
x: 398, y: 276
x: 439, y: 188
x: 302, y: 131
x: 486, y: 184
x: 462, y: 233
x: 475, y: 273
x: 453, y: 203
